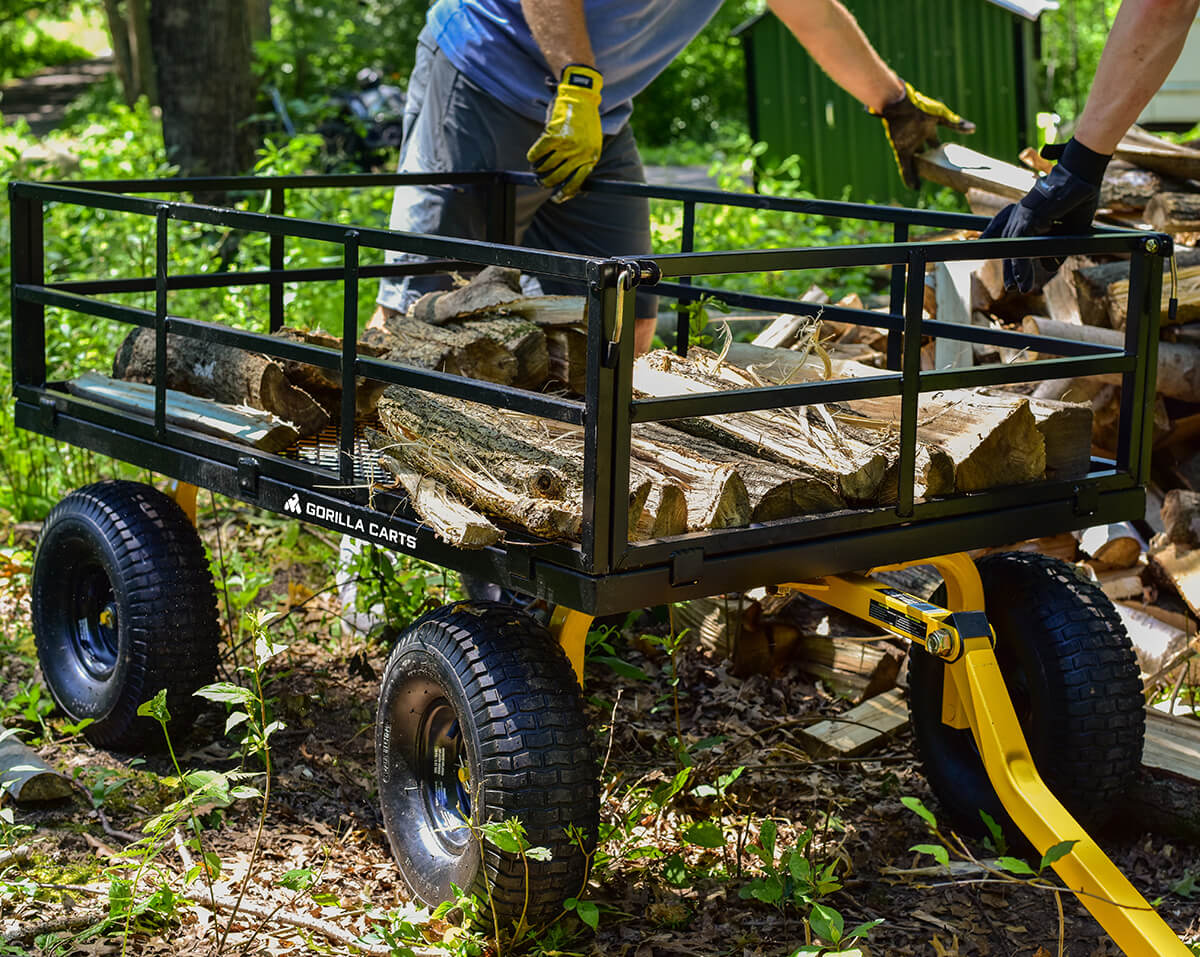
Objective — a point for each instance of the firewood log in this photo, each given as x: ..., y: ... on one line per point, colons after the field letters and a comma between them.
x: 226, y: 375
x: 325, y: 385
x: 969, y: 440
x: 1174, y: 212
x: 1178, y: 364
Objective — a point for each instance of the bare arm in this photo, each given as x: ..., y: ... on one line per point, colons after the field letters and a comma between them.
x: 559, y: 28
x: 1145, y: 42
x: 831, y: 35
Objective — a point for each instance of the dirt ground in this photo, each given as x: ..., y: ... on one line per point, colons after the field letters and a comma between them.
x: 323, y: 815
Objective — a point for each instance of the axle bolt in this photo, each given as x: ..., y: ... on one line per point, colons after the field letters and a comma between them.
x: 1152, y: 246
x: 939, y: 643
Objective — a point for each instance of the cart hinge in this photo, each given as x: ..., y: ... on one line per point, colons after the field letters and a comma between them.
x: 686, y: 566
x: 47, y: 412
x: 1087, y: 499
x: 248, y: 475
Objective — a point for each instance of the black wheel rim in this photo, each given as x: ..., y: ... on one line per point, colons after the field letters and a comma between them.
x: 93, y: 626
x: 443, y: 773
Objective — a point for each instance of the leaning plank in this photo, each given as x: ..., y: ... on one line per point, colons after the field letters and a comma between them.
x: 791, y: 437
x: 452, y: 521
x: 1178, y: 363
x: 1167, y: 159
x: 234, y: 423
x: 223, y: 374
x: 859, y: 729
x: 962, y: 168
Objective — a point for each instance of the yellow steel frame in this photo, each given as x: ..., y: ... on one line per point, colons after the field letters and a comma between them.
x: 975, y: 697
x: 185, y: 497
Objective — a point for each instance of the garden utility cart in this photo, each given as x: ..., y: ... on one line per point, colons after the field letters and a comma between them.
x: 1018, y: 666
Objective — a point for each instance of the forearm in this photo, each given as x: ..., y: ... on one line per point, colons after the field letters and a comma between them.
x: 560, y: 30
x: 831, y: 35
x: 1144, y: 44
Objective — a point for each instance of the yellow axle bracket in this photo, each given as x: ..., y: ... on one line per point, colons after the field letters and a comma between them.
x: 185, y: 497
x: 976, y: 697
x: 571, y: 628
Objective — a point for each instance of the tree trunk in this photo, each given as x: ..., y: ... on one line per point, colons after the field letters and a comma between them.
x: 206, y: 87
x: 211, y: 371
x: 118, y: 34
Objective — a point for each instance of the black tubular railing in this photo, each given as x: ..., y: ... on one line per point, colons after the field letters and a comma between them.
x: 608, y: 409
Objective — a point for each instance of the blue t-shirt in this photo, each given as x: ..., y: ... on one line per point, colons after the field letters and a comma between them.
x: 489, y: 41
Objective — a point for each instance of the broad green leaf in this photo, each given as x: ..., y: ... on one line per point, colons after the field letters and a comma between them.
x: 297, y: 879
x: 622, y: 667
x: 156, y: 708
x: 1014, y: 865
x: 327, y: 900
x: 826, y: 922
x: 766, y: 838
x: 675, y: 871
x: 769, y: 891
x: 915, y: 805
x: 864, y: 928
x: 227, y: 692
x: 799, y: 867
x: 940, y: 854
x: 588, y: 912
x: 705, y: 834
x: 1056, y: 853
x: 236, y: 718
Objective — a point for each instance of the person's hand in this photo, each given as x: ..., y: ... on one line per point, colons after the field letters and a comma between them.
x: 1062, y: 203
x: 569, y: 147
x: 911, y: 124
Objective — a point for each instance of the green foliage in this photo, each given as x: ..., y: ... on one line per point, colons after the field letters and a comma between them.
x: 26, y: 45
x: 1072, y: 39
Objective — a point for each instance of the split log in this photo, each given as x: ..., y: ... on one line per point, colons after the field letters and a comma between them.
x: 325, y: 385
x: 971, y: 439
x: 1129, y: 188
x: 1111, y: 547
x: 1093, y: 288
x: 223, y: 374
x: 1154, y: 642
x: 233, y: 423
x: 1163, y: 157
x: 775, y: 491
x: 716, y: 493
x: 862, y: 727
x: 502, y: 470
x: 1178, y: 365
x: 452, y: 521
x: 798, y: 437
x: 492, y: 286
x: 527, y: 343
x: 1174, y: 212
x: 1117, y: 297
x: 1161, y: 802
x: 786, y: 329
x: 1180, y: 566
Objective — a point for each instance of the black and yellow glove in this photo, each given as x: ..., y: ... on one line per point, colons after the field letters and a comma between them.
x: 569, y: 147
x: 911, y: 124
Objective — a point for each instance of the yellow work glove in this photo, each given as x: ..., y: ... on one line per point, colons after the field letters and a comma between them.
x: 569, y: 147
x: 911, y: 124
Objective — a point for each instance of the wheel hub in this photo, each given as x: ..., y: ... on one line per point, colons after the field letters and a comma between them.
x: 445, y: 777
x: 94, y: 635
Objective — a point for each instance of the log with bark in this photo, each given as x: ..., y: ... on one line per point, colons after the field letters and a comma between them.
x: 1174, y: 212
x: 1151, y: 152
x: 1102, y: 302
x: 325, y: 385
x: 1178, y: 365
x: 224, y: 374
x: 528, y: 471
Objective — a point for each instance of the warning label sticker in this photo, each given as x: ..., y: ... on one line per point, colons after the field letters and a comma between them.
x: 896, y: 620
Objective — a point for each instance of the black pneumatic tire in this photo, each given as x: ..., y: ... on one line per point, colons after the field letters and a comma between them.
x: 1073, y: 678
x: 123, y: 606
x: 483, y: 687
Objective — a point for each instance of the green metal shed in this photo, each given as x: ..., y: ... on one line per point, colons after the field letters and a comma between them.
x: 979, y: 56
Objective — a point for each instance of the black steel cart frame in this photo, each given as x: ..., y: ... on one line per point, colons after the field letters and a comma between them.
x: 605, y: 572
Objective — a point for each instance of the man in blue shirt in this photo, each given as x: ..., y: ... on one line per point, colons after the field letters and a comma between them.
x: 504, y: 84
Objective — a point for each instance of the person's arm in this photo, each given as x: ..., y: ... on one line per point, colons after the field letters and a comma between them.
x: 560, y: 30
x: 831, y: 35
x: 1142, y: 47
x: 1146, y: 40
